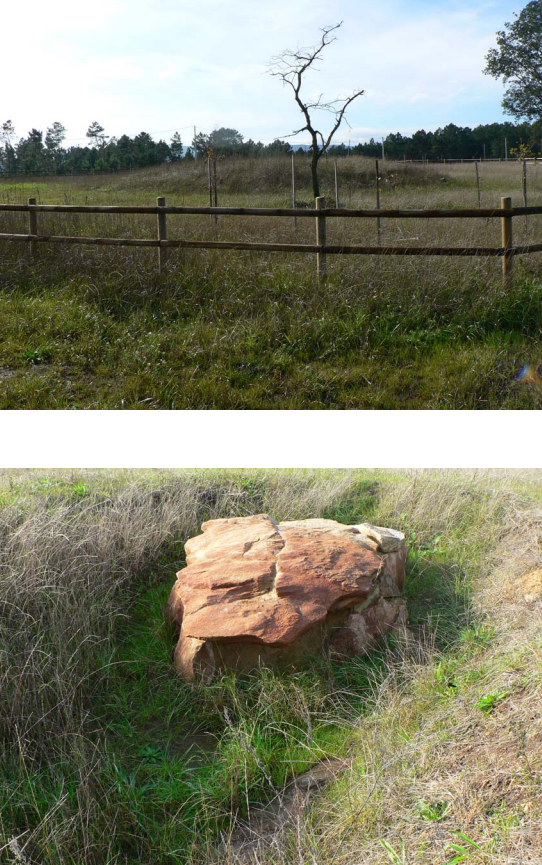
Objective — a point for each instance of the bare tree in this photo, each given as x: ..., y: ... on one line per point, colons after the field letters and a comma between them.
x: 290, y: 67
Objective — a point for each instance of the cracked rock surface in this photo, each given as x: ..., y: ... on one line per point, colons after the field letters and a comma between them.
x: 255, y: 591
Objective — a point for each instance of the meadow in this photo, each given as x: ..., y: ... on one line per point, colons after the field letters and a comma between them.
x: 108, y: 758
x: 100, y: 328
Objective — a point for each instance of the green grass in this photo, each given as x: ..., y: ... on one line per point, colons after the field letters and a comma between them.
x: 100, y: 329
x: 260, y: 344
x: 166, y: 788
x: 132, y: 765
x: 166, y: 792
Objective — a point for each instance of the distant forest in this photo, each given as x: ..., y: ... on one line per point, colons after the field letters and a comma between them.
x: 46, y: 154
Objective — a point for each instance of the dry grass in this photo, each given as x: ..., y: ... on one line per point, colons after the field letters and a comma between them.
x: 450, y: 752
x: 264, y: 182
x: 100, y: 328
x: 73, y: 550
x: 442, y: 736
x: 77, y: 550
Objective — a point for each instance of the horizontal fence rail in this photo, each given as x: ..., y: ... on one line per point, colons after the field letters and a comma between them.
x: 459, y: 213
x: 439, y: 160
x: 483, y: 251
x: 320, y: 214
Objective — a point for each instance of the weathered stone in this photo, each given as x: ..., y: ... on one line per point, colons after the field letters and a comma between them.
x: 360, y: 631
x: 395, y: 565
x: 255, y: 591
x: 388, y: 540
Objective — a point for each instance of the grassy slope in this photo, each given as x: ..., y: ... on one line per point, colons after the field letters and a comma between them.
x: 87, y: 329
x: 111, y: 759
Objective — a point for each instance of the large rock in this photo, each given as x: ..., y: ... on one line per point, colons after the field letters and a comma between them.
x: 255, y: 591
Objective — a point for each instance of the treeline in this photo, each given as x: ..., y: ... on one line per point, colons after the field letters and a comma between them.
x: 487, y: 141
x: 45, y: 154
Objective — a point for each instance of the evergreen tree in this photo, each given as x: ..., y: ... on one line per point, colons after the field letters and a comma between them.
x: 202, y: 144
x: 225, y: 140
x: 7, y: 153
x: 95, y: 133
x: 277, y: 147
x: 30, y: 153
x: 54, y: 137
x: 176, y: 148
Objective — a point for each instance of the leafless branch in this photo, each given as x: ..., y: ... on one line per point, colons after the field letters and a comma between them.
x: 340, y: 115
x: 290, y: 67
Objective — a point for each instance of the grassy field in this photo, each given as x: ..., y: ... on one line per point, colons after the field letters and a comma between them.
x: 108, y: 759
x: 100, y: 329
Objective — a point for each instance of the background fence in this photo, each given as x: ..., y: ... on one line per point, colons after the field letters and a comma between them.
x: 320, y: 214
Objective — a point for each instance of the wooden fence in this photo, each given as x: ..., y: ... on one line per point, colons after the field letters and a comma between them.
x: 320, y: 214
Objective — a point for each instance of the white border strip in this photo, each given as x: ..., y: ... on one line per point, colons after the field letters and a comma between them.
x: 271, y: 439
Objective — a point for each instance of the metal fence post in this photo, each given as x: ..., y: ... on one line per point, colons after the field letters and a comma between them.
x: 293, y: 190
x: 32, y: 227
x: 162, y: 234
x: 321, y: 265
x: 507, y: 241
x: 524, y: 184
x: 378, y: 220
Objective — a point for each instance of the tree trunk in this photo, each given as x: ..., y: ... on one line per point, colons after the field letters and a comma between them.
x: 314, y: 172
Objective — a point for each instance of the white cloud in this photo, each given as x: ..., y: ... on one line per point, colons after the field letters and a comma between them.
x: 155, y: 64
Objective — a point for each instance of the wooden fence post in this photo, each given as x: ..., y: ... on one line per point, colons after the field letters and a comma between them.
x: 478, y: 185
x: 32, y: 227
x: 321, y: 240
x: 336, y: 187
x: 507, y: 240
x: 162, y: 234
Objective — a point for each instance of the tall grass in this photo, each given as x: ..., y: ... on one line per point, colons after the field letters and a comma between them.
x: 72, y: 559
x: 75, y: 555
x: 266, y: 182
x: 108, y: 758
x: 100, y: 328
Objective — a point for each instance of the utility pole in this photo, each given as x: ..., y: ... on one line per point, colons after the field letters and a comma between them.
x: 506, y: 149
x: 383, y: 156
x: 195, y: 148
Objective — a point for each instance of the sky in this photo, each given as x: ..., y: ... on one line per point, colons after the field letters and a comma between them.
x: 167, y: 65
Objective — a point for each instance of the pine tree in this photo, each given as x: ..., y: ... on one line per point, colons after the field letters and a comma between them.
x: 176, y: 148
